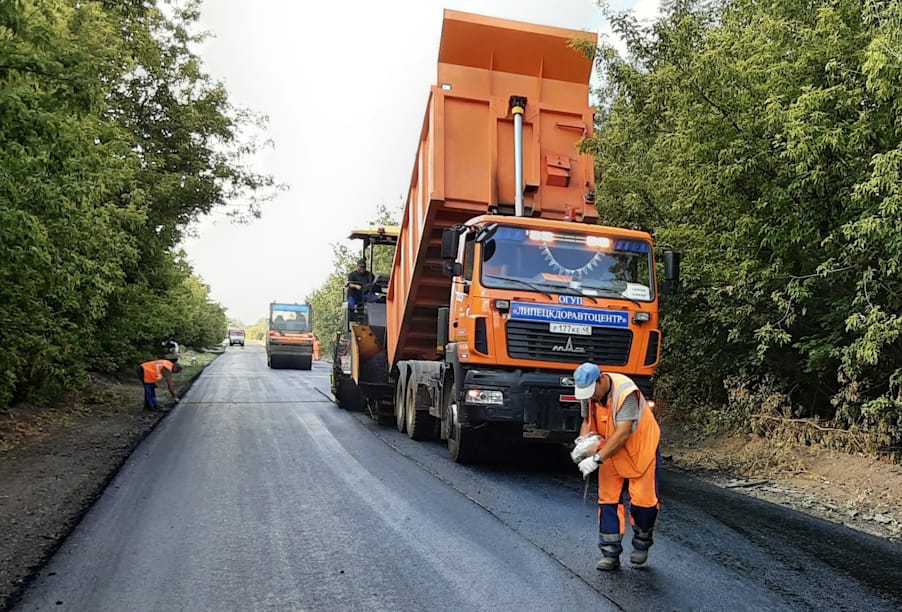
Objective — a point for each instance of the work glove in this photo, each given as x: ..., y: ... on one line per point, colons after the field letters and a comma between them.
x: 587, y: 466
x: 584, y: 446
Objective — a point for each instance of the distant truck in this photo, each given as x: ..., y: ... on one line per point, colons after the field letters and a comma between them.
x: 503, y: 281
x: 290, y: 342
x: 236, y: 336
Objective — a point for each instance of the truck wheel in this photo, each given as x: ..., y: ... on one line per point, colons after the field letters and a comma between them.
x: 306, y: 362
x: 420, y: 424
x: 273, y: 362
x: 348, y: 396
x: 400, y: 404
x: 463, y: 441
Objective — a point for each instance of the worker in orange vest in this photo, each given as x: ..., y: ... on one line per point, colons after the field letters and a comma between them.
x: 151, y: 372
x: 315, y: 348
x: 627, y: 451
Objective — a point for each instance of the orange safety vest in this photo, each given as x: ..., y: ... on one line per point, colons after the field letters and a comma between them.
x: 637, y: 453
x: 153, y: 370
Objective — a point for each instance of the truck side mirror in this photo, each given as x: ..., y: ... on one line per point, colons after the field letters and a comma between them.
x: 452, y: 268
x: 671, y: 272
x: 450, y: 243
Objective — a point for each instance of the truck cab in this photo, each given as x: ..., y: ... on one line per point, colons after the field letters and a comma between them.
x: 533, y: 298
x: 236, y: 336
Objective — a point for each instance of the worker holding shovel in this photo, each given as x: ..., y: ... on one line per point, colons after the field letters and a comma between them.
x: 620, y: 438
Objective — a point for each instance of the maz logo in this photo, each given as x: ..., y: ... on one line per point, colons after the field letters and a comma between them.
x: 568, y: 347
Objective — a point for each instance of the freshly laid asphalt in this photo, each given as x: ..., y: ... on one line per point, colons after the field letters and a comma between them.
x: 258, y: 493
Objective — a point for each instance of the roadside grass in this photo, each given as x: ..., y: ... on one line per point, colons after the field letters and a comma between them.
x: 193, y: 363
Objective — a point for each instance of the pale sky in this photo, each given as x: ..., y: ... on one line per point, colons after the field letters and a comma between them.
x: 344, y: 84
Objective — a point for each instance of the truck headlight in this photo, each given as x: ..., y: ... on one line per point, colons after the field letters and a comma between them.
x: 485, y: 396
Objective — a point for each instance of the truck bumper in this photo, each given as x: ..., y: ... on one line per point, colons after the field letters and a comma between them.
x: 542, y: 404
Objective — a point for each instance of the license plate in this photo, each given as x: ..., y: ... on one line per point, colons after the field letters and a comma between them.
x: 570, y: 329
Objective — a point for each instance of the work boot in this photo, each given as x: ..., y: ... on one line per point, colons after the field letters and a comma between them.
x: 642, y: 541
x: 606, y: 564
x: 610, y: 559
x: 638, y: 557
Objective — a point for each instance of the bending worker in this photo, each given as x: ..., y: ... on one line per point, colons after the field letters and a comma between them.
x: 627, y: 452
x: 151, y: 372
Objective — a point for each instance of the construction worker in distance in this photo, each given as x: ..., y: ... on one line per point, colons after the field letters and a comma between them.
x: 151, y: 372
x: 628, y: 451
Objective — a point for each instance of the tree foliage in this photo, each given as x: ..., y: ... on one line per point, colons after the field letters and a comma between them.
x: 764, y: 141
x: 256, y: 332
x: 113, y: 142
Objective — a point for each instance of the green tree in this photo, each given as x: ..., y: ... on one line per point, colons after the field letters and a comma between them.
x: 257, y: 331
x: 65, y: 243
x: 762, y: 140
x: 112, y: 141
x: 189, y: 144
x: 327, y: 301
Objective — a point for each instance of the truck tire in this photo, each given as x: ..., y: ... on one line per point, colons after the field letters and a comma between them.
x: 463, y: 441
x: 348, y: 395
x: 400, y: 404
x: 420, y: 424
x: 273, y: 362
x: 463, y: 444
x: 306, y: 362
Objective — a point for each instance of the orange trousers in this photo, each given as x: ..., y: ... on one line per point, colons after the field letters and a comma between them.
x: 644, y: 504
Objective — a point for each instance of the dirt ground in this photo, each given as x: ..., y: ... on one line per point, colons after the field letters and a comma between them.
x: 859, y: 491
x: 54, y: 463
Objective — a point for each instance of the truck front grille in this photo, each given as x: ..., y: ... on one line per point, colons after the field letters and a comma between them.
x: 533, y: 340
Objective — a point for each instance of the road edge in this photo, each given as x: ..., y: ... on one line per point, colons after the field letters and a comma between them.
x: 88, y: 502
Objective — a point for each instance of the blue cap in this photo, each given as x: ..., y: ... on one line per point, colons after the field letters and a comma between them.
x: 584, y: 378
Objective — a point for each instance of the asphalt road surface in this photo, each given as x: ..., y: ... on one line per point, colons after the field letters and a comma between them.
x: 258, y: 493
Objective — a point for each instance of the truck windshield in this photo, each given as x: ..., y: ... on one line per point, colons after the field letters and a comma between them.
x: 593, y: 265
x: 286, y: 320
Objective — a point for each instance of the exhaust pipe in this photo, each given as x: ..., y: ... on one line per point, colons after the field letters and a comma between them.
x: 518, y: 107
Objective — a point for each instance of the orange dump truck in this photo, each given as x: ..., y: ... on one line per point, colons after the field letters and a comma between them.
x: 503, y: 281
